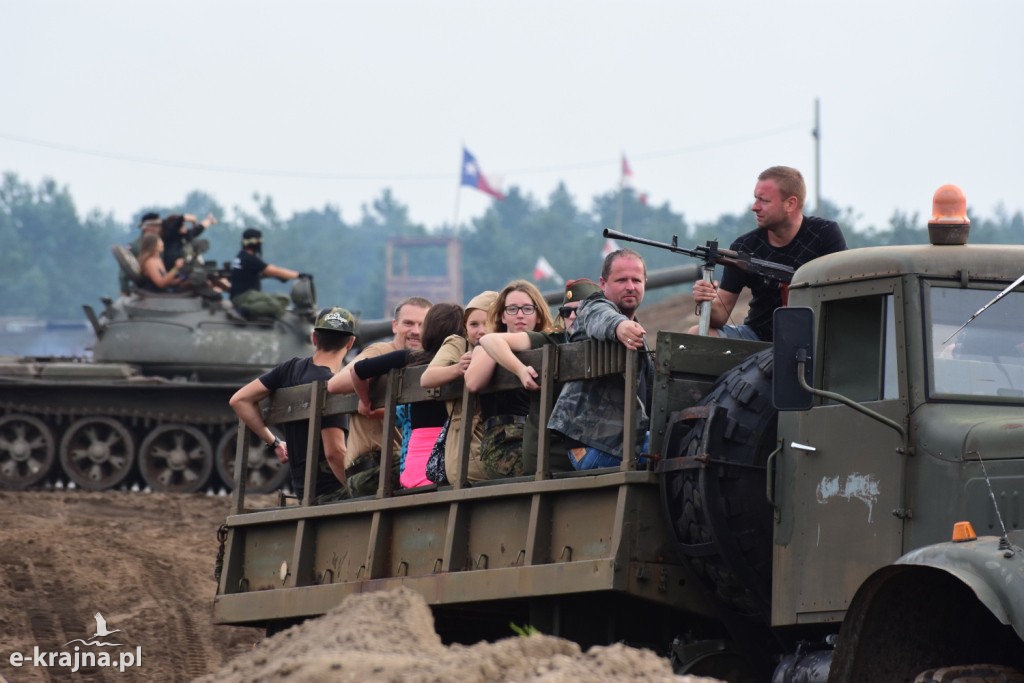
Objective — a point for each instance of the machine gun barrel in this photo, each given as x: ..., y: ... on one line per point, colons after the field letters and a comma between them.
x: 712, y: 254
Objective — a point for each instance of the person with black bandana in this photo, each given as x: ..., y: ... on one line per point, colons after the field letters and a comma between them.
x: 247, y: 269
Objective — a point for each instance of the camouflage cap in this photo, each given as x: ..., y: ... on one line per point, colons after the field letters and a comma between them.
x: 335, y: 320
x: 578, y: 290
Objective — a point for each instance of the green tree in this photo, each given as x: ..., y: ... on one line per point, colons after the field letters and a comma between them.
x: 47, y: 261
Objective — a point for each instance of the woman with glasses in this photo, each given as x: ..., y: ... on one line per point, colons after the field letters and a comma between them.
x: 502, y: 347
x: 518, y: 308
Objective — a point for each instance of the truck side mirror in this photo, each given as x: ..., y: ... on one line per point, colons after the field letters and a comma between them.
x: 794, y: 341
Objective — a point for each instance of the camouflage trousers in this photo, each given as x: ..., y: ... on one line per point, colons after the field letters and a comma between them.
x: 501, y: 451
x: 365, y: 482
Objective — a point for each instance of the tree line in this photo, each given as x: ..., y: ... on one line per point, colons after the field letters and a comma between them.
x: 53, y: 260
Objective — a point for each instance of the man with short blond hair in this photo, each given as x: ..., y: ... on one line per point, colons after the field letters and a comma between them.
x: 784, y: 235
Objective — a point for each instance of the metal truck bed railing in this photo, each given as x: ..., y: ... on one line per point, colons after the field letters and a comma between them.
x: 522, y: 539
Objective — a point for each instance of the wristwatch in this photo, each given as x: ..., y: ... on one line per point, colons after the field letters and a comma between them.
x: 273, y: 446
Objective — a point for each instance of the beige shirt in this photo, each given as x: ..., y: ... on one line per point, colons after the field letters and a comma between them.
x: 449, y: 354
x: 365, y: 434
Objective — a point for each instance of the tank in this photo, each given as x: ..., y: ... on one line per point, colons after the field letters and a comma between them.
x: 150, y: 408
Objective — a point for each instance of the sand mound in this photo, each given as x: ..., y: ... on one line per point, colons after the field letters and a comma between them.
x: 389, y: 636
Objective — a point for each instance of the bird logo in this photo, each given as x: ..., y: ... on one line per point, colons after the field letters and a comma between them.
x: 101, y: 632
x: 101, y: 627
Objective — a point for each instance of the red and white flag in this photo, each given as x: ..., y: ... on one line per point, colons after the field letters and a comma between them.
x: 610, y: 245
x: 626, y: 179
x: 545, y: 271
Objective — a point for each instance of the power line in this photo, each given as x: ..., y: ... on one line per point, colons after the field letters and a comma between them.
x: 386, y: 177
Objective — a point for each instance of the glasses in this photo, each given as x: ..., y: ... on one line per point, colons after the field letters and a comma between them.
x: 528, y: 309
x: 566, y: 311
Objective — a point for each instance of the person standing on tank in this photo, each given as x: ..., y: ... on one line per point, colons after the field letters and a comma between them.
x: 332, y: 337
x: 247, y: 270
x: 784, y: 235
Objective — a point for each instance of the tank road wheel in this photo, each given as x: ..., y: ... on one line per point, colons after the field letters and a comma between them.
x: 27, y: 451
x: 717, y: 507
x: 97, y: 453
x: 264, y: 472
x: 176, y: 458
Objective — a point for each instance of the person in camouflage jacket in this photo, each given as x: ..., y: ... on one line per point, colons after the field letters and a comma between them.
x: 590, y: 413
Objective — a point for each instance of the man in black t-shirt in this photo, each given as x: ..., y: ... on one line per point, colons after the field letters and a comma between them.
x: 332, y: 338
x: 785, y: 236
x: 247, y: 269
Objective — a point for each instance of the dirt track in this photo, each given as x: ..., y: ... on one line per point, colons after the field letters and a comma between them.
x: 145, y: 561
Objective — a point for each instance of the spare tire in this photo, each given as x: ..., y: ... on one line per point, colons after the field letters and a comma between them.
x: 713, y: 485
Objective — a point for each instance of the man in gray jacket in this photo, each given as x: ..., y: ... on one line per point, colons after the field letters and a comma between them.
x: 590, y: 413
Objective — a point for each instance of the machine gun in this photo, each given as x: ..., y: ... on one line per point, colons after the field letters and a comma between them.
x: 712, y: 255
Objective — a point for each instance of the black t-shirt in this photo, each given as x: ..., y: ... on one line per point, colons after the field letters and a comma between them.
x: 816, y: 237
x: 246, y: 271
x: 293, y: 373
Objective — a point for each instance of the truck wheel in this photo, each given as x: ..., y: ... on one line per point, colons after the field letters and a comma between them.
x: 974, y: 673
x: 713, y: 486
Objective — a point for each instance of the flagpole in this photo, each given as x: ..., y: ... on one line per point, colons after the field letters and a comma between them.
x: 622, y: 189
x: 618, y: 217
x: 455, y: 220
x: 458, y: 193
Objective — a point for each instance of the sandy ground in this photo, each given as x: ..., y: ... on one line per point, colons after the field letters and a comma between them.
x: 145, y: 562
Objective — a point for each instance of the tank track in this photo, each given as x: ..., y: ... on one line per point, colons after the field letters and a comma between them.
x: 177, y: 437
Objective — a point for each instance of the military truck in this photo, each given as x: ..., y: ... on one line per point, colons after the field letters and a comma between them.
x: 869, y: 529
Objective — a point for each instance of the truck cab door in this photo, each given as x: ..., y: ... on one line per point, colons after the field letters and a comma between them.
x: 840, y: 474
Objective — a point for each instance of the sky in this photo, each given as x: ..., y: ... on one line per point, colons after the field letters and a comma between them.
x: 134, y: 104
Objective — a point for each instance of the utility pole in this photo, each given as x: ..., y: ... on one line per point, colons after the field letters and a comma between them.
x: 816, y: 132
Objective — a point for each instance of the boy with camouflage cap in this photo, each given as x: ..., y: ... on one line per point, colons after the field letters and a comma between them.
x: 333, y: 335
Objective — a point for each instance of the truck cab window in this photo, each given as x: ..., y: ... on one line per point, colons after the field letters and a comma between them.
x: 986, y: 358
x: 859, y: 353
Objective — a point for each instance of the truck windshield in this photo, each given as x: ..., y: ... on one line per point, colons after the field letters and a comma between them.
x: 986, y: 358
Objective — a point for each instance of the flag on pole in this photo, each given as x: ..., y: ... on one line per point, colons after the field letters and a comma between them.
x: 626, y: 180
x: 610, y: 245
x: 545, y: 271
x: 474, y: 177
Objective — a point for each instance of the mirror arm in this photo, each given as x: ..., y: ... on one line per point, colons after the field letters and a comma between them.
x: 801, y: 362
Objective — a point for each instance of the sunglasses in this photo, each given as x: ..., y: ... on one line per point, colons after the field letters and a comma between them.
x: 566, y: 311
